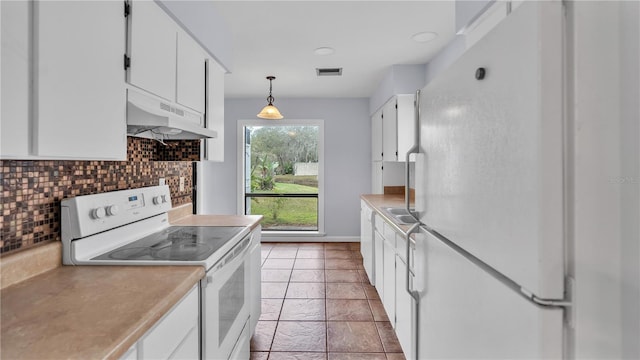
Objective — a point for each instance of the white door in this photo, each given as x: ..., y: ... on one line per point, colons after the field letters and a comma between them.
x: 467, y: 314
x: 79, y: 92
x: 153, y: 50
x: 493, y: 178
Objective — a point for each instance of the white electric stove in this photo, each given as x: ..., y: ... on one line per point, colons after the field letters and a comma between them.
x: 131, y: 227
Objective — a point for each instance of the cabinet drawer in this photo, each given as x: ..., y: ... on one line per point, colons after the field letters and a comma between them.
x: 389, y: 234
x: 170, y: 332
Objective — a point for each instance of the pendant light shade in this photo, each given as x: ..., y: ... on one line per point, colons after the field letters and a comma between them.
x: 270, y: 112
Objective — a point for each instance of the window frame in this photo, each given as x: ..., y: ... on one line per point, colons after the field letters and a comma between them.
x: 241, y: 168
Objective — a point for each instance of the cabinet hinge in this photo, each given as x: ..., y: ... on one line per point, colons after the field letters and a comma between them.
x: 127, y: 9
x: 381, y: 116
x: 127, y: 62
x: 396, y: 154
x: 396, y: 106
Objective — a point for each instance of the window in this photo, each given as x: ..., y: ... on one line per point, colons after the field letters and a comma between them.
x: 281, y: 174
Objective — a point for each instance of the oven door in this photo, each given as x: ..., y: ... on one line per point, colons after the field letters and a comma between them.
x: 225, y: 302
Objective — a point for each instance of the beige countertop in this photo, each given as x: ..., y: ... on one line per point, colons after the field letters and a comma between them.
x: 379, y: 201
x: 90, y: 312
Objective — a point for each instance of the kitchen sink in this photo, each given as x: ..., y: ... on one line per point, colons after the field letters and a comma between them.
x: 397, y: 211
x: 401, y: 215
x: 405, y: 219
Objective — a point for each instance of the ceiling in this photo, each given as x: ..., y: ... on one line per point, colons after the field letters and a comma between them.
x: 279, y: 37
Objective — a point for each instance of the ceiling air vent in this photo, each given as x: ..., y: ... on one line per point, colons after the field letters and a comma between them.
x: 329, y: 71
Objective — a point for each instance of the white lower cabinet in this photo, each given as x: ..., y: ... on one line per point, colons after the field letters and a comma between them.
x: 366, y: 240
x: 175, y: 336
x: 390, y: 264
x: 405, y: 309
x: 378, y: 253
x: 389, y: 276
x: 255, y: 309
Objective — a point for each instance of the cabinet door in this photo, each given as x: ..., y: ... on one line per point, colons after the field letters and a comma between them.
x: 256, y: 285
x: 404, y: 310
x: 79, y: 91
x: 191, y: 73
x: 15, y: 62
x: 215, y: 110
x: 406, y: 124
x: 389, y: 296
x: 389, y: 131
x: 377, y: 186
x: 153, y: 50
x: 379, y: 261
x: 366, y: 240
x: 175, y: 332
x: 376, y: 136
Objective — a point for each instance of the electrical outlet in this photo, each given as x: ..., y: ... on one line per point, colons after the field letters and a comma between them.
x: 161, y: 182
x: 181, y: 183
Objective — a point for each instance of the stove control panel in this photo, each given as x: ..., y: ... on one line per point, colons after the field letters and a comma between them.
x: 91, y: 214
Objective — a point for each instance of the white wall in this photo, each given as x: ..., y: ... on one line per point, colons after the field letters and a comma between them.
x: 347, y: 165
x: 604, y: 176
x: 400, y: 79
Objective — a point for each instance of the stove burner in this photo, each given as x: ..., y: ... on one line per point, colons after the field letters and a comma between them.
x: 184, y: 251
x: 129, y: 254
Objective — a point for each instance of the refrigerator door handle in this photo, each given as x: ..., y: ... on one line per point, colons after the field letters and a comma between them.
x: 413, y: 150
x: 564, y: 303
x: 414, y: 294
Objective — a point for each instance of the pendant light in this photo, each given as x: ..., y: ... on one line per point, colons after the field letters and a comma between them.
x: 270, y: 112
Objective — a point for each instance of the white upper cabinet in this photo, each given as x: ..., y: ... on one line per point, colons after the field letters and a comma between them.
x: 405, y: 117
x: 389, y: 131
x: 376, y: 136
x: 153, y: 38
x: 15, y: 62
x: 79, y: 89
x: 393, y: 129
x: 190, y: 73
x: 214, y: 148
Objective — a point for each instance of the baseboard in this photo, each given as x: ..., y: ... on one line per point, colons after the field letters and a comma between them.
x: 308, y: 238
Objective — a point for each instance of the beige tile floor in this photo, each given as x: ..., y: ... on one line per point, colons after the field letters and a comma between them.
x: 317, y: 304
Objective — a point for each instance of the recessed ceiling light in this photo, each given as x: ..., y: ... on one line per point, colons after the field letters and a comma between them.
x: 424, y: 36
x: 324, y: 51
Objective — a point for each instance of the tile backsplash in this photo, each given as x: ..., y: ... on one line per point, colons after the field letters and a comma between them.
x: 32, y: 189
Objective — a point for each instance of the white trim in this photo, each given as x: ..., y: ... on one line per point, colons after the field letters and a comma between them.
x: 326, y: 239
x: 286, y: 122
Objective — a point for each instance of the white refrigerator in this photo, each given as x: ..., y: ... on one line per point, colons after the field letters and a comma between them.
x: 490, y: 255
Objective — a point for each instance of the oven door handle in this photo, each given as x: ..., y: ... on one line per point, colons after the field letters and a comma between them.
x: 238, y: 251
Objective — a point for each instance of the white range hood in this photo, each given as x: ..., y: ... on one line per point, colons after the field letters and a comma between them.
x: 154, y: 118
